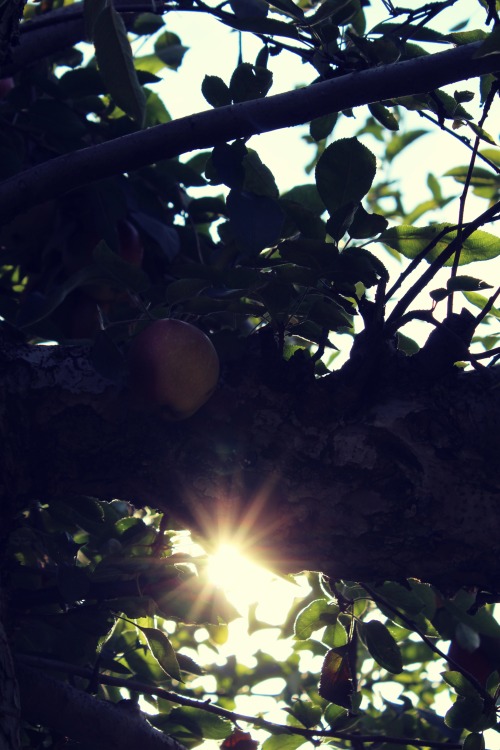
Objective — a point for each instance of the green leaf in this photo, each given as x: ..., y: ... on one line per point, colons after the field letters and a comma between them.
x: 156, y: 112
x: 147, y: 23
x: 438, y: 295
x: 307, y: 196
x: 321, y: 127
x: 306, y: 712
x: 384, y: 116
x: 400, y: 142
x: 162, y: 650
x: 312, y: 618
x: 365, y: 225
x: 478, y: 300
x: 344, y: 173
x: 473, y: 741
x: 270, y: 26
x: 256, y: 220
x: 381, y: 645
x: 283, y: 742
x: 401, y: 597
x: 249, y: 82
x: 202, y: 723
x: 434, y: 186
x: 410, y: 241
x: 461, y: 684
x: 466, y: 284
x: 491, y: 45
x: 480, y: 176
x: 333, y: 713
x: 288, y: 7
x: 85, y: 512
x: 215, y: 91
x: 116, y: 63
x: 249, y: 8
x: 258, y: 179
x: 335, y: 635
x: 467, y: 37
x: 169, y: 49
x: 406, y: 344
x: 92, y: 9
x: 465, y: 713
x: 449, y: 107
x: 120, y: 271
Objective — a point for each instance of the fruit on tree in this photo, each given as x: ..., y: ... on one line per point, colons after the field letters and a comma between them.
x: 174, y: 365
x: 480, y: 662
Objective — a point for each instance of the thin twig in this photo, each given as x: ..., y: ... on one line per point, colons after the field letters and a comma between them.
x: 485, y: 355
x: 463, y: 198
x: 417, y: 259
x: 488, y: 306
x: 462, y: 138
x: 486, y: 217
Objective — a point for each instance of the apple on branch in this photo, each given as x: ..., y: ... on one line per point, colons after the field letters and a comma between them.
x: 173, y: 365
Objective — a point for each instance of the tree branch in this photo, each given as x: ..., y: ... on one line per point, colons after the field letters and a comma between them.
x: 242, y: 120
x: 55, y: 31
x: 256, y: 721
x: 82, y: 717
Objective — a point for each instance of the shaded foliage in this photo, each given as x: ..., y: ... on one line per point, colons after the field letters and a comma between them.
x: 99, y: 593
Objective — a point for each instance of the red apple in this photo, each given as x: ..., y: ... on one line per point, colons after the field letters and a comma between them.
x: 477, y: 663
x: 173, y: 365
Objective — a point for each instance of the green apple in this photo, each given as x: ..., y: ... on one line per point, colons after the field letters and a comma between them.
x: 173, y: 365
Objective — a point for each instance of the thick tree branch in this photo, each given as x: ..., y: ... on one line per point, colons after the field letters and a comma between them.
x: 54, y: 32
x: 83, y: 718
x: 205, y: 129
x: 371, y: 470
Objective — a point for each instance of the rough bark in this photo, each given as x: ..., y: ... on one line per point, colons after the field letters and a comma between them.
x: 84, y: 718
x: 9, y: 701
x: 376, y: 472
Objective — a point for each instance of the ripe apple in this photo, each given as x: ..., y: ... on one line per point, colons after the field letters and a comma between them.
x: 480, y: 662
x: 174, y: 365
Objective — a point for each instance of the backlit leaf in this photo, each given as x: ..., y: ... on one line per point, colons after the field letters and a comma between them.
x: 115, y: 61
x: 381, y: 645
x: 410, y: 241
x: 344, y: 173
x: 163, y: 652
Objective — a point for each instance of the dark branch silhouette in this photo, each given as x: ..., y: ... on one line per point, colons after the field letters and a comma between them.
x: 242, y: 120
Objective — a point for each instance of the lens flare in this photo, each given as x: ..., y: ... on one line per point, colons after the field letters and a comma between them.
x: 245, y: 583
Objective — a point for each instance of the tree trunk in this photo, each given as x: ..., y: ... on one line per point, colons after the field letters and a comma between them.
x: 371, y: 473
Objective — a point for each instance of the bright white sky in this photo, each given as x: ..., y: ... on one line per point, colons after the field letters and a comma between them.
x: 213, y: 50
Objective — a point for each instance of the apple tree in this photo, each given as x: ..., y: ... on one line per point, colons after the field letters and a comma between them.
x: 186, y: 348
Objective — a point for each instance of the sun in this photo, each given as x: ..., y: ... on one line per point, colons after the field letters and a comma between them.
x: 244, y: 582
x: 235, y: 574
